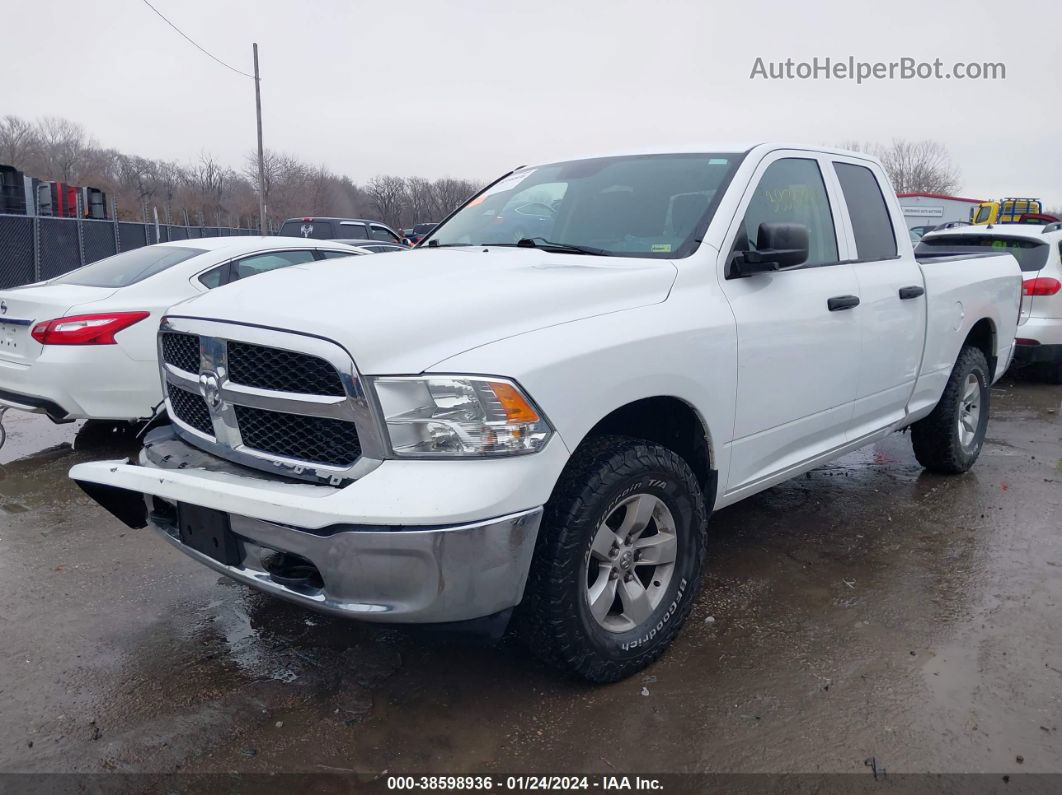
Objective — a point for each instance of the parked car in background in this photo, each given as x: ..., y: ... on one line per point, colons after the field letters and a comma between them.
x: 923, y: 229
x: 373, y: 246
x: 83, y: 345
x: 339, y: 229
x: 1038, y: 249
x: 546, y: 425
x: 419, y: 232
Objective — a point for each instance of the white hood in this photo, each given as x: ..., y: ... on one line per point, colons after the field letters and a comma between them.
x: 403, y: 312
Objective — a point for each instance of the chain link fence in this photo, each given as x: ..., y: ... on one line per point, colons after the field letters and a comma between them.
x: 33, y: 248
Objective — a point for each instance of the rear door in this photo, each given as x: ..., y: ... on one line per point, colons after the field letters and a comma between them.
x: 892, y: 310
x: 797, y: 359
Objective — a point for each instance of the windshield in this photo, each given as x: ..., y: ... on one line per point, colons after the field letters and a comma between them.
x: 1030, y: 254
x: 635, y: 206
x: 129, y: 267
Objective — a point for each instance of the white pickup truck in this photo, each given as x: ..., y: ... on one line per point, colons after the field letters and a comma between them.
x: 534, y: 413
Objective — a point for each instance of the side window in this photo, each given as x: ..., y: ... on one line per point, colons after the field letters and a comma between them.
x: 261, y: 263
x: 214, y: 277
x: 983, y: 214
x: 335, y: 254
x: 381, y: 233
x: 874, y: 236
x: 353, y: 231
x: 792, y: 191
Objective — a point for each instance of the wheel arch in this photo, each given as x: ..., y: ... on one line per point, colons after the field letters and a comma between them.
x: 982, y: 335
x: 671, y: 422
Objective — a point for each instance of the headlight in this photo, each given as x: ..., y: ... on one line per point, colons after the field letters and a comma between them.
x: 459, y: 417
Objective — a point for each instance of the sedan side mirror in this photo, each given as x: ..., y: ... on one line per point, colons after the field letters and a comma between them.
x: 779, y: 246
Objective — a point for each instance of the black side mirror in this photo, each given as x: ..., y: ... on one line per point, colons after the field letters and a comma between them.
x: 778, y: 246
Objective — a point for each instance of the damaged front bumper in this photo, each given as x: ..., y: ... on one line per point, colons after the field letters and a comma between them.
x: 404, y: 573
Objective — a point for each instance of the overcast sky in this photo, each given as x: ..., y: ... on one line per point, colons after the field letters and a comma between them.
x: 472, y: 88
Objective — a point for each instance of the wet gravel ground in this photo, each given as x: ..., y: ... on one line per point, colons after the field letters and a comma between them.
x: 867, y: 609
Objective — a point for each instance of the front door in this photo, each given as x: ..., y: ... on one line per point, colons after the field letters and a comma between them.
x: 797, y: 358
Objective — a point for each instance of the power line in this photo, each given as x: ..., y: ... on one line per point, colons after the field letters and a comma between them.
x: 193, y: 43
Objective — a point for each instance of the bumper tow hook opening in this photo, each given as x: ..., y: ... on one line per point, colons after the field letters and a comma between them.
x: 292, y: 571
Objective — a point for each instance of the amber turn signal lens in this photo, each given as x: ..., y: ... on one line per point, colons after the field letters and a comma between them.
x: 517, y: 409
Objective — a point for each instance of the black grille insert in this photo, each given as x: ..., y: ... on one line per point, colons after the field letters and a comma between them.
x: 190, y: 409
x: 181, y: 350
x: 283, y: 371
x: 320, y: 440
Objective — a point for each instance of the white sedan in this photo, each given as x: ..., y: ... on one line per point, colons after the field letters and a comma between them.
x: 82, y: 345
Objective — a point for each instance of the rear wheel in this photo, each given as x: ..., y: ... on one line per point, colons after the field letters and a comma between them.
x: 949, y: 440
x: 618, y: 562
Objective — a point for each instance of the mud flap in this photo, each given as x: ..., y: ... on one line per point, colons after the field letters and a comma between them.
x: 127, y: 506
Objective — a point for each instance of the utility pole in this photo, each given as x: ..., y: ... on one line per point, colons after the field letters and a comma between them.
x: 261, y: 154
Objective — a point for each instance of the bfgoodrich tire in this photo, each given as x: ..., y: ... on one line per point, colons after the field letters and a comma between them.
x: 949, y: 440
x: 618, y: 561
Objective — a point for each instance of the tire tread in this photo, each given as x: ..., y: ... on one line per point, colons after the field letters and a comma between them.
x: 934, y: 438
x: 546, y: 620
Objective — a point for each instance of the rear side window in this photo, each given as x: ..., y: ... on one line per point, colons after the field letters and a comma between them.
x: 129, y: 267
x: 874, y: 235
x: 261, y: 263
x: 353, y: 231
x: 334, y: 254
x: 213, y: 277
x: 1030, y: 254
x: 315, y: 230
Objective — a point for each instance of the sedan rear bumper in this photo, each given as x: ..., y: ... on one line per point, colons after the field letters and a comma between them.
x: 1037, y: 354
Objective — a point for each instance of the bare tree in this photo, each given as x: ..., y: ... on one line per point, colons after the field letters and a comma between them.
x: 388, y: 195
x: 919, y: 167
x: 63, y: 147
x: 451, y: 193
x: 422, y: 200
x: 913, y: 166
x: 18, y: 141
x: 59, y: 149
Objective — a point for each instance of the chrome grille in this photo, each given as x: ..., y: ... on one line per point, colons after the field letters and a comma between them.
x: 191, y: 409
x: 284, y: 371
x: 317, y: 439
x: 181, y: 350
x: 279, y: 401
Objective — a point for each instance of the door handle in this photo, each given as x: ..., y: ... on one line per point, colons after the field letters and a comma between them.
x: 911, y: 292
x: 840, y: 302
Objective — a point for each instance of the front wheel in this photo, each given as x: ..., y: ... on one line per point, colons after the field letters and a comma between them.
x: 949, y: 440
x: 618, y: 561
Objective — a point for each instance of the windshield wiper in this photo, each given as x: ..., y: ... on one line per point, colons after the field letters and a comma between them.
x: 566, y: 248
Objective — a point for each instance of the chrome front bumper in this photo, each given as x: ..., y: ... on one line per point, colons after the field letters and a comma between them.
x: 422, y: 575
x: 387, y: 573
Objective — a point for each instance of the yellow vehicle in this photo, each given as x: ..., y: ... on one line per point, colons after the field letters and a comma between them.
x: 1004, y: 211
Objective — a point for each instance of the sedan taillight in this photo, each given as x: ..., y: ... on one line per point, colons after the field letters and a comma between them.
x: 85, y: 329
x: 1042, y: 285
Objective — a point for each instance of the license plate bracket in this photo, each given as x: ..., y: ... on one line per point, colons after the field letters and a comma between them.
x: 208, y: 531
